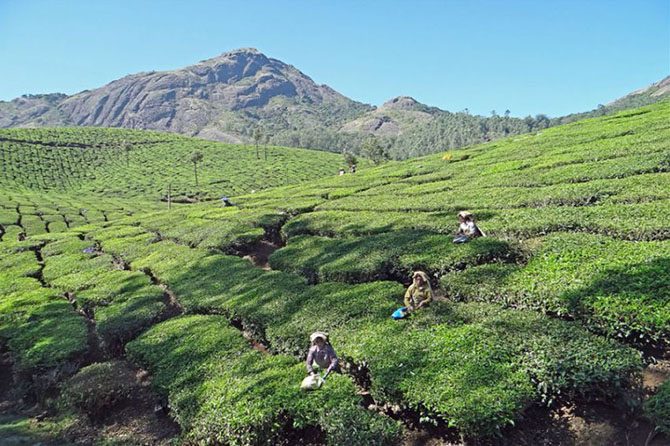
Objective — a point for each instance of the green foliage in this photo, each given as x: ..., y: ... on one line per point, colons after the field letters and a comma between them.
x: 99, y: 388
x: 223, y: 392
x: 93, y: 161
x: 374, y: 150
x: 124, y: 302
x: 657, y: 408
x: 24, y: 430
x: 382, y: 256
x: 575, y: 224
x: 616, y: 287
x: 40, y: 327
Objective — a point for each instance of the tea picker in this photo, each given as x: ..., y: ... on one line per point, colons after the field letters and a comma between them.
x: 467, y: 228
x: 225, y: 201
x: 323, y: 354
x: 418, y: 295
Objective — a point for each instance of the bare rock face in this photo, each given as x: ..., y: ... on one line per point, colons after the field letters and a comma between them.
x: 228, y: 97
x: 192, y: 100
x: 33, y: 111
x: 402, y: 103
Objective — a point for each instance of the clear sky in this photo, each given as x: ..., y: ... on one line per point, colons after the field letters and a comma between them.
x: 528, y: 56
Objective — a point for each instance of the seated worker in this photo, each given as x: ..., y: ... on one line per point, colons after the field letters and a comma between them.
x: 225, y: 201
x: 322, y: 353
x: 419, y: 294
x: 467, y: 228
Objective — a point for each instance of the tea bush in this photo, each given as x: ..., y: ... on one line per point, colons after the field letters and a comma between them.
x: 383, y: 256
x: 616, y: 287
x: 223, y: 392
x: 657, y: 408
x: 40, y: 328
x: 98, y: 388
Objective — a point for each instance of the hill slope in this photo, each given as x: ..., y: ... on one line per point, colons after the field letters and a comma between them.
x: 554, y: 305
x: 222, y: 98
x: 230, y: 97
x: 140, y: 164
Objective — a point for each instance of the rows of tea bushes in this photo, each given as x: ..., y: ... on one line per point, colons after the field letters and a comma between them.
x: 281, y: 309
x: 27, y: 213
x: 224, y: 228
x: 385, y: 255
x: 224, y: 392
x: 620, y: 288
x: 606, y: 180
x: 122, y: 302
x: 39, y: 327
x: 635, y: 221
x: 577, y: 230
x: 149, y: 165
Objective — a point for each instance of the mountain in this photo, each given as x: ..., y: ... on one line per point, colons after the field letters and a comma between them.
x: 655, y: 92
x: 220, y: 98
x: 243, y: 95
x: 39, y: 110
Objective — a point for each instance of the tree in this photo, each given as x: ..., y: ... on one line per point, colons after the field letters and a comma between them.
x: 507, y: 113
x: 374, y: 150
x: 258, y: 135
x: 542, y: 121
x: 349, y: 158
x: 125, y: 145
x: 196, y: 157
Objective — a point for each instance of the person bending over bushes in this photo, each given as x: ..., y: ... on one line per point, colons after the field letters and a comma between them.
x: 467, y: 228
x: 322, y: 353
x: 419, y: 294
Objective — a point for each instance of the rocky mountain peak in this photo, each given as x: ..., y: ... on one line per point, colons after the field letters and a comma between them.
x: 402, y: 103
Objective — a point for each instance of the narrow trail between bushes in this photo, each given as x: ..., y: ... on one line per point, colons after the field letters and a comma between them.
x: 259, y: 254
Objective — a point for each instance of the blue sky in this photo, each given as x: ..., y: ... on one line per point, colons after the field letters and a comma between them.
x: 528, y: 56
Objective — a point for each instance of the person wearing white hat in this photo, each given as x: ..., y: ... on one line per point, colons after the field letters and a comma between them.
x: 322, y: 353
x: 467, y: 228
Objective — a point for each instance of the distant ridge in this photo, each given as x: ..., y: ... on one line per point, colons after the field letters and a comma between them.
x: 243, y: 93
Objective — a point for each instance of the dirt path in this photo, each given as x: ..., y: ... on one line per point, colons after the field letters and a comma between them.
x: 258, y: 254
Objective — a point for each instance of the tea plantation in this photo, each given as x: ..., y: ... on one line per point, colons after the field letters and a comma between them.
x: 566, y: 300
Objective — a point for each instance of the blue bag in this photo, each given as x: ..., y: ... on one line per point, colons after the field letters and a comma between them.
x: 400, y: 313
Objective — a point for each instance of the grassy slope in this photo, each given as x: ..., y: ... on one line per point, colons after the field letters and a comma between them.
x: 94, y: 160
x: 560, y: 207
x: 54, y: 179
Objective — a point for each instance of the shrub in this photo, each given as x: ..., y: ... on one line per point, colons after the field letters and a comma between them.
x: 383, y: 256
x: 99, y: 388
x: 223, y: 392
x: 657, y: 408
x: 616, y: 287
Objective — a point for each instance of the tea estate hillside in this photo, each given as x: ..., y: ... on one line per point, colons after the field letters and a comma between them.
x: 54, y: 179
x: 551, y: 329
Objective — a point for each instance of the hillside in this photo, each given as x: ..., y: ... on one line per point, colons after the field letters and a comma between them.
x: 138, y: 164
x: 229, y: 97
x: 236, y: 94
x: 656, y: 92
x: 223, y: 98
x: 559, y: 310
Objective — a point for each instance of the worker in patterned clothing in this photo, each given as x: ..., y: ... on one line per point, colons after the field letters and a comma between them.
x: 419, y: 294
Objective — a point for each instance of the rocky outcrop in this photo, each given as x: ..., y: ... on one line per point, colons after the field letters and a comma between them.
x: 198, y: 99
